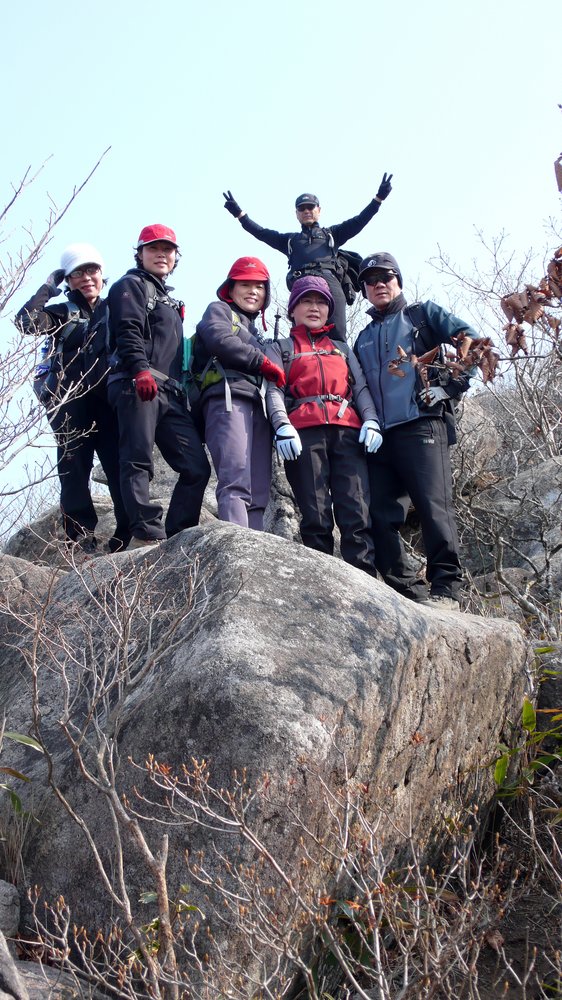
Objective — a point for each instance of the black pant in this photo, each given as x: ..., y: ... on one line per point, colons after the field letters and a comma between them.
x: 84, y: 426
x: 332, y: 470
x: 413, y: 463
x: 339, y: 315
x: 166, y: 422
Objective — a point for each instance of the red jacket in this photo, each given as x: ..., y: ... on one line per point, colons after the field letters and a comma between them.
x: 318, y: 370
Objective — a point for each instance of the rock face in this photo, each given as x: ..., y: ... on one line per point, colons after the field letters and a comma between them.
x: 268, y: 656
x: 12, y: 985
x: 40, y: 542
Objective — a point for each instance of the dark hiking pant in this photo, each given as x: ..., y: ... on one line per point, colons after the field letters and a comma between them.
x: 339, y: 315
x: 240, y: 445
x: 83, y: 427
x: 166, y: 422
x: 332, y: 472
x: 413, y: 463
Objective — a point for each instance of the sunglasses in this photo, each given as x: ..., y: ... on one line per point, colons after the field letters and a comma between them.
x: 304, y: 208
x: 375, y: 276
x: 89, y: 269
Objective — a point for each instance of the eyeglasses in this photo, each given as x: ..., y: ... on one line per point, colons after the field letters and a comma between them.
x: 88, y: 269
x: 375, y: 276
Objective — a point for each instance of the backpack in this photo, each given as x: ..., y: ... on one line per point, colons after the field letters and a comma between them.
x: 288, y: 356
x: 345, y: 264
x: 49, y: 372
x: 197, y: 382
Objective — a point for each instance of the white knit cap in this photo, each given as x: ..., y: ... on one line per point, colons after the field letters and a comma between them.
x: 78, y: 254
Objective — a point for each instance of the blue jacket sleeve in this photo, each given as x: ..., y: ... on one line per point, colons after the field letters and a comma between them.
x: 445, y: 325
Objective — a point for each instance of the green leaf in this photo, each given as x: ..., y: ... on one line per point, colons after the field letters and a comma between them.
x: 14, y: 773
x: 148, y: 897
x: 545, y: 758
x: 27, y: 741
x: 500, y: 770
x: 528, y: 716
x: 539, y: 650
x: 183, y: 907
x: 15, y: 799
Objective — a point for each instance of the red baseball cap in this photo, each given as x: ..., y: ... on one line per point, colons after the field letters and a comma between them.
x: 151, y: 234
x: 246, y: 269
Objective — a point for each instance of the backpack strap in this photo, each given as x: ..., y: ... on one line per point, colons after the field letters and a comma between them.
x: 214, y: 372
x: 70, y: 318
x: 288, y: 356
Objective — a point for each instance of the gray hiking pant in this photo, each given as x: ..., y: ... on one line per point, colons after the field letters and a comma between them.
x: 240, y: 446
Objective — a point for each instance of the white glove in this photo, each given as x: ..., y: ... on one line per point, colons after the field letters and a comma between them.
x: 287, y: 442
x: 370, y: 436
x: 434, y: 394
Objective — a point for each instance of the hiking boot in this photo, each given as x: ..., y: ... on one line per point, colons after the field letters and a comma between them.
x: 141, y: 543
x: 115, y: 544
x: 88, y: 543
x: 442, y: 603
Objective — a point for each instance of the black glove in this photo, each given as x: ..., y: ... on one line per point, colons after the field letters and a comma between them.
x: 55, y: 279
x: 385, y: 187
x: 230, y: 204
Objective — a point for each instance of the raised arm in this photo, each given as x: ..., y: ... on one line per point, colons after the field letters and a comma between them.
x: 33, y: 318
x: 344, y: 231
x: 277, y: 241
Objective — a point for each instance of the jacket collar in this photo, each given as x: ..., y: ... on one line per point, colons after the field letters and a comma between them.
x: 151, y: 277
x: 395, y: 306
x: 302, y: 330
x: 84, y: 306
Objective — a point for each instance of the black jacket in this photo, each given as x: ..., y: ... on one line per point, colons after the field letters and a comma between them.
x: 78, y: 335
x: 144, y: 338
x: 312, y: 242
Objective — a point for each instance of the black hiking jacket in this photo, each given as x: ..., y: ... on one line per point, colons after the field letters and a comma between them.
x: 79, y: 338
x: 312, y: 242
x: 144, y: 338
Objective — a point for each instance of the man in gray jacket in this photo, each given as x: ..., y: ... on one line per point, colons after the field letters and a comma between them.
x: 417, y: 421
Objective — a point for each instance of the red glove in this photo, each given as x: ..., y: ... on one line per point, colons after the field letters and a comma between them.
x: 146, y: 387
x: 273, y: 373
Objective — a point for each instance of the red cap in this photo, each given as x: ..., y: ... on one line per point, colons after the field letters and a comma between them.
x: 245, y: 269
x: 150, y: 234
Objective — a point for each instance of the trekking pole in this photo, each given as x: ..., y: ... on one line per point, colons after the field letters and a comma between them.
x: 276, y: 327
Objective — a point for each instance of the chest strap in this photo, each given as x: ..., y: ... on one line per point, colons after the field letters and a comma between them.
x: 326, y: 397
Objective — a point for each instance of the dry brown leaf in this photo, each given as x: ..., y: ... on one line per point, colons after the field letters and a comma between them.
x: 515, y: 338
x: 493, y: 938
x: 558, y: 171
x: 428, y: 358
x: 554, y: 272
x: 514, y: 306
x: 394, y: 366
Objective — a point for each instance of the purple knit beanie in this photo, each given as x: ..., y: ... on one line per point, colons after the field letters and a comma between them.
x: 310, y: 283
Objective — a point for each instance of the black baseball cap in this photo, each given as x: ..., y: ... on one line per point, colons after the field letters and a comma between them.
x: 307, y: 199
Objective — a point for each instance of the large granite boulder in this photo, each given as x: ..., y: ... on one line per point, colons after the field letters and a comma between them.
x: 258, y: 656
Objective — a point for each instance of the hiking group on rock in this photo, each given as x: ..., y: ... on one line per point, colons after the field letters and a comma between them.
x: 359, y: 444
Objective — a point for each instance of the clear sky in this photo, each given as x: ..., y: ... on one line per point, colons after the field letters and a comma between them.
x: 458, y: 101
